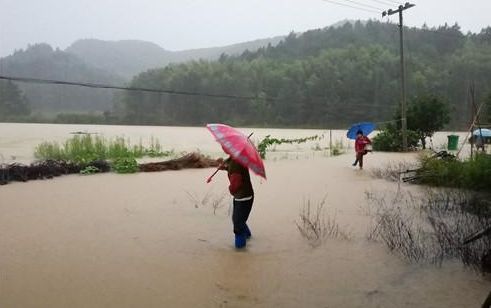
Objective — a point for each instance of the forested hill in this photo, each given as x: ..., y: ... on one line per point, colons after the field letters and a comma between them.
x: 42, y: 61
x: 127, y: 58
x: 327, y: 78
x: 97, y: 61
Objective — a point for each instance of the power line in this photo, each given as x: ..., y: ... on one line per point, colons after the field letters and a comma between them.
x: 385, y: 2
x: 394, y: 2
x: 160, y: 91
x: 351, y: 6
x: 105, y: 86
x: 365, y: 5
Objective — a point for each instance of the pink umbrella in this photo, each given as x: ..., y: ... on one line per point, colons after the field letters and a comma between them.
x: 239, y: 147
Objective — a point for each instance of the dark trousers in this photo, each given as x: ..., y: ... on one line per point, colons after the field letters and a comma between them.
x: 359, y: 158
x: 240, y: 214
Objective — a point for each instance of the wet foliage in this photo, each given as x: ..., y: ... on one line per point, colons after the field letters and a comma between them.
x: 439, y: 225
x: 269, y: 141
x: 83, y: 148
x: 446, y: 171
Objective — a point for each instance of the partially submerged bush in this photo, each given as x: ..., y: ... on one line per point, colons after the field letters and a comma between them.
x: 338, y: 148
x: 315, y: 225
x: 89, y: 170
x: 472, y: 174
x: 392, y: 171
x: 434, y: 227
x: 87, y: 148
x: 390, y: 140
x: 125, y: 165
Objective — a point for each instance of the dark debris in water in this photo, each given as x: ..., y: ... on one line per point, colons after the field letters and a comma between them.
x: 48, y: 169
x: 188, y: 161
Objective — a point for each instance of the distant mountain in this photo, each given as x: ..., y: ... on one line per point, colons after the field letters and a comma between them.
x: 41, y: 61
x: 130, y: 57
x: 125, y: 58
x: 108, y: 62
x: 98, y: 61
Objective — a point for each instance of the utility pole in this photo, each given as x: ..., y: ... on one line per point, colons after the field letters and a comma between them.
x: 389, y: 12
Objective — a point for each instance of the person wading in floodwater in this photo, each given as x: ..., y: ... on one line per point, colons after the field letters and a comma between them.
x: 361, y: 150
x: 241, y: 189
x: 243, y: 156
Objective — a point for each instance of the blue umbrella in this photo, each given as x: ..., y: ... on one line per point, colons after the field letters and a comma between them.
x: 365, y: 127
x: 484, y: 131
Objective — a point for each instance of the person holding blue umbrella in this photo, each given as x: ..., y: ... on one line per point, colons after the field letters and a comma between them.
x: 359, y: 132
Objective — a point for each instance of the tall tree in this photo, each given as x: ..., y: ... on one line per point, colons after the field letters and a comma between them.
x: 426, y: 115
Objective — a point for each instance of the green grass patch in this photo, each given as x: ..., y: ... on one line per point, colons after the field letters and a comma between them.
x: 87, y: 148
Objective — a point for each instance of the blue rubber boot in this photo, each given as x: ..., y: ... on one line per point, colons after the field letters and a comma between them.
x: 247, y: 232
x: 240, y: 241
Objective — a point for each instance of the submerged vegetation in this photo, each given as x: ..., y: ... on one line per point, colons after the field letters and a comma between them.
x: 125, y: 165
x: 267, y: 142
x: 451, y: 221
x: 473, y: 174
x: 315, y: 225
x: 86, y: 148
x: 439, y: 225
x: 87, y: 154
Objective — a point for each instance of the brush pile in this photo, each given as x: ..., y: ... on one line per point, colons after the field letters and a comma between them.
x: 48, y: 169
x: 188, y: 161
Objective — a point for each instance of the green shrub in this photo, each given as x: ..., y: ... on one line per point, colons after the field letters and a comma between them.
x: 125, y: 165
x: 478, y: 173
x: 89, y: 170
x: 474, y: 174
x: 390, y: 140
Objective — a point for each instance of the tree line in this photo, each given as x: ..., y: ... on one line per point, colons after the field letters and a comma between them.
x: 329, y: 77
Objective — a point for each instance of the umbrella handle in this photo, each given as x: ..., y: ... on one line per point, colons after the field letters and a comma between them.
x: 211, y: 176
x: 214, y: 173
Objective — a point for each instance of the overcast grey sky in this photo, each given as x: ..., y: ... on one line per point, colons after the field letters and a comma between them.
x: 185, y: 24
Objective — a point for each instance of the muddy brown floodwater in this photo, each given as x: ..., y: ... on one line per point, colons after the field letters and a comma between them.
x: 165, y: 240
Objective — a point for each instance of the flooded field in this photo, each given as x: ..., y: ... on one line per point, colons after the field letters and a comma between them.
x: 165, y: 239
x: 18, y: 141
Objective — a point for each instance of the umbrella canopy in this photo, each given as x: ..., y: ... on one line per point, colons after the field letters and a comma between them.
x: 238, y: 146
x: 484, y: 131
x: 365, y: 127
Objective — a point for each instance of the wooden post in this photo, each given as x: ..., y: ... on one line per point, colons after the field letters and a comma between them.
x: 330, y: 142
x: 399, y: 10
